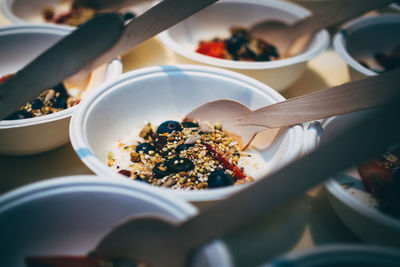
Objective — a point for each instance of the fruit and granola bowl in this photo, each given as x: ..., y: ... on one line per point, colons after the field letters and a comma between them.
x: 42, y: 123
x: 220, y: 36
x: 366, y: 197
x: 135, y: 127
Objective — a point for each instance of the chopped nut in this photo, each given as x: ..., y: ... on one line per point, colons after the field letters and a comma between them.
x: 192, y: 139
x: 205, y: 127
x: 135, y: 157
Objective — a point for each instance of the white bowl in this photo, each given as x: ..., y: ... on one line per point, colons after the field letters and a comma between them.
x: 356, y: 207
x: 395, y: 7
x: 69, y: 216
x: 217, y: 19
x: 27, y: 11
x: 359, y: 39
x: 340, y: 255
x: 156, y: 94
x: 18, y: 46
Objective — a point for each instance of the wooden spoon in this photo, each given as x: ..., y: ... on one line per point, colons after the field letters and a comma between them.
x: 162, y: 243
x: 287, y: 37
x: 156, y: 19
x: 244, y: 124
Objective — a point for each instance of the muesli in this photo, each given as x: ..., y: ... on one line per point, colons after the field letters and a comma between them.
x: 181, y: 155
x: 241, y: 45
x: 49, y: 101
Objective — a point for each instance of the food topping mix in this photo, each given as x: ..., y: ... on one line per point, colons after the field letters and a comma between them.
x: 50, y: 101
x: 241, y: 45
x: 181, y: 155
x: 77, y: 14
x: 385, y: 61
x: 381, y: 177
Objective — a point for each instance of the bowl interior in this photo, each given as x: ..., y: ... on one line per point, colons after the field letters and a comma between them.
x: 359, y: 205
x: 14, y: 44
x: 157, y: 94
x: 216, y: 21
x: 365, y: 37
x: 26, y: 11
x: 68, y: 216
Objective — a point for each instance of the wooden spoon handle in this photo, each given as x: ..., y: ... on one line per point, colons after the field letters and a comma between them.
x: 343, y: 150
x: 335, y: 12
x: 345, y: 98
x: 155, y: 20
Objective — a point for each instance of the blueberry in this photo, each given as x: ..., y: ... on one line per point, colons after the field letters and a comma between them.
x: 160, y: 170
x: 178, y: 164
x: 169, y: 127
x: 183, y: 147
x: 36, y: 104
x: 60, y: 88
x: 59, y: 103
x: 145, y: 147
x: 19, y: 115
x: 189, y: 124
x: 219, y: 178
x: 128, y: 15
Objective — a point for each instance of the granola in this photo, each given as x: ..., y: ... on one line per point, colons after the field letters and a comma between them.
x: 181, y: 155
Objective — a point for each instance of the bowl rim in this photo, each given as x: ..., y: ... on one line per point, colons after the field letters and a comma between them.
x: 182, y: 209
x: 289, y: 7
x: 6, y: 7
x: 339, y: 39
x: 84, y: 152
x: 27, y: 192
x: 335, y: 189
x: 58, y: 30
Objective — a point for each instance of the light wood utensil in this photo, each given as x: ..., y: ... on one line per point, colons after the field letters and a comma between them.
x: 244, y: 123
x: 292, y: 39
x: 162, y: 243
x: 155, y: 20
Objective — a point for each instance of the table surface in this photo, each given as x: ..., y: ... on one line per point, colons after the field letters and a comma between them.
x: 307, y: 222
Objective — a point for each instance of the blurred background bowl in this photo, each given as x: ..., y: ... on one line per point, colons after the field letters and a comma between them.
x: 27, y: 11
x: 156, y: 94
x: 360, y: 39
x: 354, y: 205
x: 69, y: 216
x: 340, y: 255
x: 18, y: 46
x: 216, y: 21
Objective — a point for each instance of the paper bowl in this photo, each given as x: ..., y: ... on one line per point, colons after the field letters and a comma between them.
x: 18, y: 46
x: 359, y: 39
x: 217, y: 19
x: 27, y: 11
x: 353, y: 204
x: 156, y: 94
x: 340, y: 255
x: 70, y: 215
